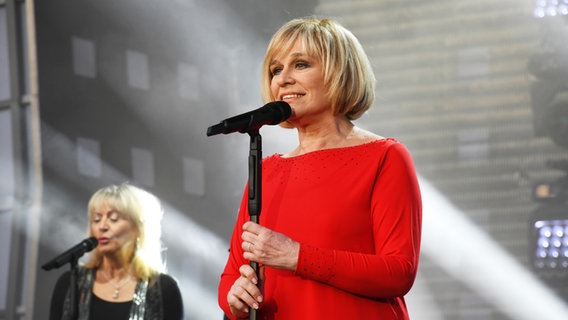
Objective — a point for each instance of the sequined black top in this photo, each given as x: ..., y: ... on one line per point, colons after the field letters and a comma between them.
x: 159, y: 301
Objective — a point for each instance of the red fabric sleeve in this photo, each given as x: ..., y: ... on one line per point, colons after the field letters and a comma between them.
x: 397, y: 219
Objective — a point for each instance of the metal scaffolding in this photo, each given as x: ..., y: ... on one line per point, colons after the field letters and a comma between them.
x: 21, y: 195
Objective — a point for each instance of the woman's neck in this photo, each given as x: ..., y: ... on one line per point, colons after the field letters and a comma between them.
x: 321, y: 136
x: 114, y: 268
x: 339, y: 133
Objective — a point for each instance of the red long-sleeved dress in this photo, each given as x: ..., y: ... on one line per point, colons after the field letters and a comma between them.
x: 357, y: 214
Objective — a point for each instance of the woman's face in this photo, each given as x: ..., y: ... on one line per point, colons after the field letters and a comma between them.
x: 298, y: 80
x: 112, y: 229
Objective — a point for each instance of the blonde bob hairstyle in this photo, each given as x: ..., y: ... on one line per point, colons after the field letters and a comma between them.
x: 347, y: 71
x: 143, y: 253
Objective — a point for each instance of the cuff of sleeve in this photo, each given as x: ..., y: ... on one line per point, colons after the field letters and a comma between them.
x: 315, y: 263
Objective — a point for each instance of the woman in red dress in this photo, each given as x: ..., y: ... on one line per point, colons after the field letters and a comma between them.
x: 340, y: 229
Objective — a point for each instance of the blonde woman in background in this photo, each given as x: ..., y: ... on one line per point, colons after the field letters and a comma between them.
x: 124, y: 277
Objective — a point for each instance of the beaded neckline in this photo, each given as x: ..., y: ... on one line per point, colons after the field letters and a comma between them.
x: 316, y: 152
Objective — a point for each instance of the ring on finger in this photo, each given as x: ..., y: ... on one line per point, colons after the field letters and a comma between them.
x: 250, y: 247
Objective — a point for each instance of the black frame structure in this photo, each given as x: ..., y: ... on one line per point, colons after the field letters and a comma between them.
x: 20, y: 197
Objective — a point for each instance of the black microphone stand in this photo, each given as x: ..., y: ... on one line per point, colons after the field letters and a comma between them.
x: 255, y: 191
x: 73, y: 288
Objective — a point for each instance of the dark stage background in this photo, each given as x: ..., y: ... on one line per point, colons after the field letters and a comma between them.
x: 475, y: 89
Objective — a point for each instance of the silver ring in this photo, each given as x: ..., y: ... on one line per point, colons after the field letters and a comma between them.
x: 249, y: 247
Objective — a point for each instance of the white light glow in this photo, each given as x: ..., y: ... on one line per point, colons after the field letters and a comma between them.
x: 470, y: 255
x: 550, y: 8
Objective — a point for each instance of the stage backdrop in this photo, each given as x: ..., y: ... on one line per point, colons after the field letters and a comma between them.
x: 473, y: 88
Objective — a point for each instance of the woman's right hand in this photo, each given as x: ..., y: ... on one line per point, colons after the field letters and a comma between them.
x: 245, y: 293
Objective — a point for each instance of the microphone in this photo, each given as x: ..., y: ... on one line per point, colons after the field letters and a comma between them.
x: 271, y: 113
x: 72, y: 254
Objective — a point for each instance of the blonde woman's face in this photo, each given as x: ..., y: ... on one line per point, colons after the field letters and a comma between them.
x: 111, y: 228
x: 297, y: 78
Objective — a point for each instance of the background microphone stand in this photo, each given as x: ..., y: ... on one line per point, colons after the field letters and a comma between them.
x: 73, y: 288
x: 72, y: 256
x: 255, y: 191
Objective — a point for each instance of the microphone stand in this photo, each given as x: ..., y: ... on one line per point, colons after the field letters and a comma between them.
x: 255, y: 191
x: 73, y: 289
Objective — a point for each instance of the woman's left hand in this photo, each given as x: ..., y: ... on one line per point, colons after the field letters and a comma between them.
x: 268, y: 247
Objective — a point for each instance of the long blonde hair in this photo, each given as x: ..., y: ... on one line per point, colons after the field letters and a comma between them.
x: 144, y: 253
